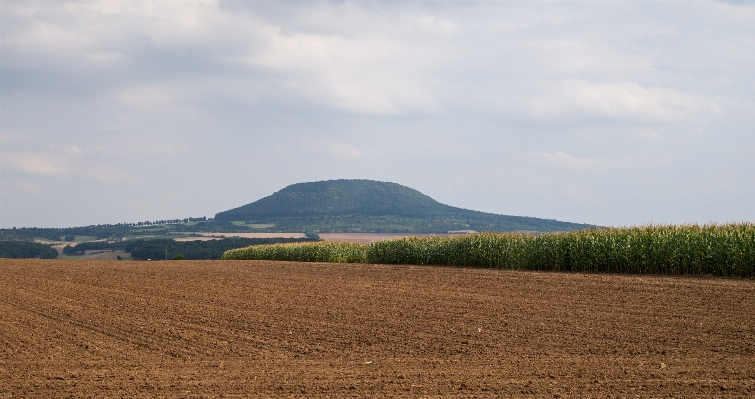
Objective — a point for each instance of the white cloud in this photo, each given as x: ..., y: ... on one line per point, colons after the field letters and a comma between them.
x: 104, y: 56
x: 619, y: 100
x: 563, y: 160
x: 616, y: 100
x: 73, y: 150
x: 639, y: 133
x: 354, y: 73
x: 35, y: 163
x: 149, y: 96
x: 27, y: 187
x: 641, y: 89
x: 337, y: 149
x: 107, y: 175
x: 647, y: 133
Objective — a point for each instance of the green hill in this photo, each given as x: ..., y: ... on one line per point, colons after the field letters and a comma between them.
x: 372, y: 206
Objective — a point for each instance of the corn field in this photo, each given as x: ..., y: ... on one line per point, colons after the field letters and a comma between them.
x: 721, y: 250
x: 323, y: 251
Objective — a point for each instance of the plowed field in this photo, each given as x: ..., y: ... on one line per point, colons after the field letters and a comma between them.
x: 260, y: 329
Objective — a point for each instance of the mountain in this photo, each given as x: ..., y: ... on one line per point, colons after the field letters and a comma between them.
x: 373, y: 206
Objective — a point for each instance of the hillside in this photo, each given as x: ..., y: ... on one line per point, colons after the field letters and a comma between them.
x: 372, y: 206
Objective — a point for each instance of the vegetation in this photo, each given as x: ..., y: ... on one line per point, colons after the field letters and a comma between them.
x: 124, y: 230
x: 721, y: 250
x: 141, y: 249
x: 372, y: 206
x: 328, y: 206
x: 92, y: 246
x: 324, y: 251
x: 210, y: 249
x: 22, y: 249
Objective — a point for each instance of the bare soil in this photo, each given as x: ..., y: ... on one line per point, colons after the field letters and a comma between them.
x: 261, y: 329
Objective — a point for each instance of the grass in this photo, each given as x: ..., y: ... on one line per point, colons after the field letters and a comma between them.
x: 722, y: 250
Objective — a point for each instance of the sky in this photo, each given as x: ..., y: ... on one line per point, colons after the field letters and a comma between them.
x: 605, y: 112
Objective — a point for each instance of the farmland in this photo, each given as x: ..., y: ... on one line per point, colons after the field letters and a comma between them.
x: 722, y: 250
x: 261, y: 328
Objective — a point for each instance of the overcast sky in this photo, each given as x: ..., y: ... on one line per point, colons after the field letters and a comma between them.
x: 611, y: 113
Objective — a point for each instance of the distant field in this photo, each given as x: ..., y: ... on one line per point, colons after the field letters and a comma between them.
x: 253, y: 225
x: 286, y: 329
x: 98, y: 255
x: 77, y: 240
x: 366, y: 238
x: 216, y: 236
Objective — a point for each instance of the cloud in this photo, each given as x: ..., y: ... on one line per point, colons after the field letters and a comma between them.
x: 624, y: 99
x: 620, y: 100
x: 357, y: 73
x: 73, y: 150
x: 104, y: 56
x: 27, y: 187
x: 647, y: 133
x: 563, y: 160
x: 107, y: 175
x: 35, y: 163
x: 638, y: 133
x: 149, y: 97
x: 161, y: 91
x: 337, y: 149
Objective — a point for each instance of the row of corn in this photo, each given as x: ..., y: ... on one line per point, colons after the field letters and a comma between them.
x: 722, y: 250
x: 321, y: 251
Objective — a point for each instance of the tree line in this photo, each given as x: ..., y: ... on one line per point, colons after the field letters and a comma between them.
x: 23, y: 249
x: 157, y: 249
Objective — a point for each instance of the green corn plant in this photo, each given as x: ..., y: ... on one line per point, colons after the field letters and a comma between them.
x: 721, y: 250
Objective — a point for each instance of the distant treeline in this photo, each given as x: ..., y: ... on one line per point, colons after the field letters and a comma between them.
x: 93, y: 246
x: 22, y: 249
x: 162, y: 248
x: 121, y: 230
x: 211, y: 249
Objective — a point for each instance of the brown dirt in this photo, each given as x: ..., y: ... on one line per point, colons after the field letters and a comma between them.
x: 261, y: 329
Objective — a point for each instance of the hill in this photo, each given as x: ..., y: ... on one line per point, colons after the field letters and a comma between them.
x: 372, y: 206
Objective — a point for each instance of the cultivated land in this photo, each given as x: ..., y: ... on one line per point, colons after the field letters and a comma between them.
x: 260, y: 329
x: 366, y: 238
x: 362, y: 238
x: 220, y: 235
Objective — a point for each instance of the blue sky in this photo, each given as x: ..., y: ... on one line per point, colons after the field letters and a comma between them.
x: 610, y: 113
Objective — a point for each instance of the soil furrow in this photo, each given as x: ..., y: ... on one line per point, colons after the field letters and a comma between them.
x: 261, y: 329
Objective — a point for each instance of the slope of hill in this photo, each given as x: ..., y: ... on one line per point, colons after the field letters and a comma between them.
x: 372, y: 206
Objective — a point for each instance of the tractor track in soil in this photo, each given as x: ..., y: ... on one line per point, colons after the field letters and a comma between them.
x: 285, y: 329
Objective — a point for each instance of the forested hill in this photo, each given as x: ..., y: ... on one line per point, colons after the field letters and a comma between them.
x: 339, y: 197
x: 372, y: 206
